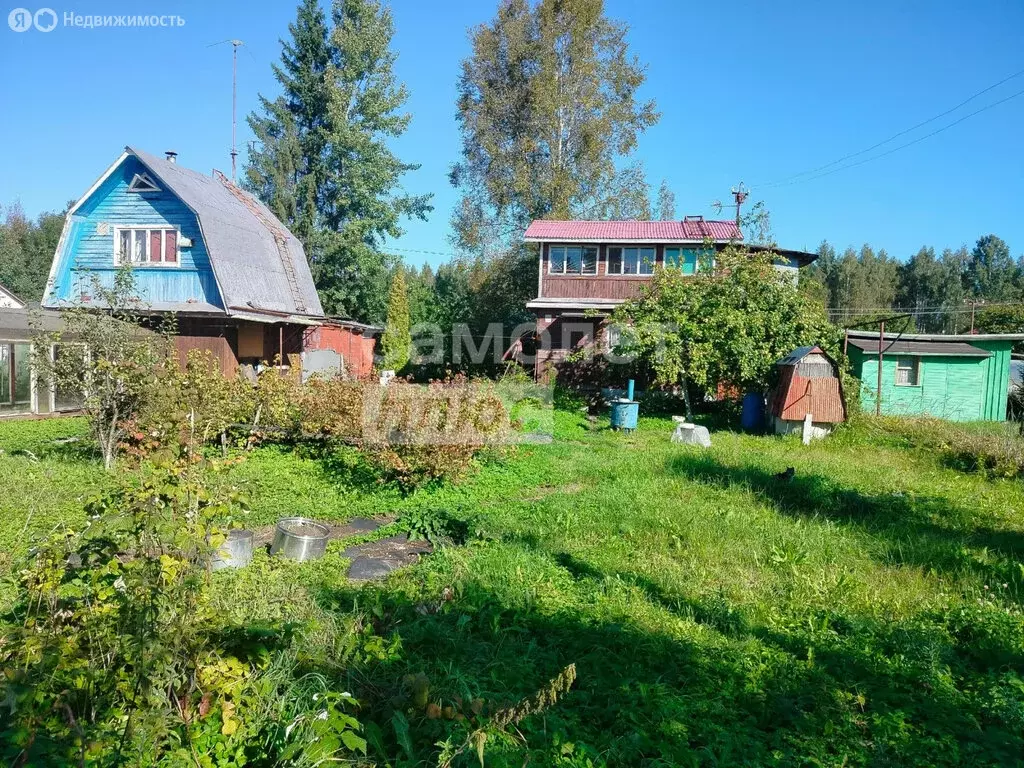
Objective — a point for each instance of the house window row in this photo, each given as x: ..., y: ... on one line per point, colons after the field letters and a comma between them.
x: 621, y: 260
x: 146, y: 246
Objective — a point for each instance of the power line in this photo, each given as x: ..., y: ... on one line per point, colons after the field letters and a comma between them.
x: 910, y: 143
x: 417, y: 250
x: 792, y: 179
x: 930, y: 306
x: 915, y: 312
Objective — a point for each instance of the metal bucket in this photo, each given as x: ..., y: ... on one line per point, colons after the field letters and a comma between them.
x: 235, y: 552
x: 299, y: 538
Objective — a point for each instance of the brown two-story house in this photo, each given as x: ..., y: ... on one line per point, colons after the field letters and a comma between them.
x: 587, y: 268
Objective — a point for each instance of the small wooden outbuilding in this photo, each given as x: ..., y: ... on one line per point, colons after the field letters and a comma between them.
x: 809, y: 389
x: 964, y: 377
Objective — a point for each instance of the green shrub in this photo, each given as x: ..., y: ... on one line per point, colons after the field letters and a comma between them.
x: 116, y: 654
x: 414, y: 434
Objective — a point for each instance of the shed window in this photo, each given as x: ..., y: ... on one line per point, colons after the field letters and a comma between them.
x: 908, y: 371
x: 573, y: 260
x: 146, y: 246
x: 631, y: 261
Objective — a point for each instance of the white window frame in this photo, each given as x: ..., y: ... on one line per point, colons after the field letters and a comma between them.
x: 624, y: 248
x: 915, y: 369
x: 148, y: 228
x: 581, y: 246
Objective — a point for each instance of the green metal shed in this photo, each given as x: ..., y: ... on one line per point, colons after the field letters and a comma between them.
x: 957, y: 377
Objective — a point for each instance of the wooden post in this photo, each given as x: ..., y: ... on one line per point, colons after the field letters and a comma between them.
x: 808, y: 429
x: 878, y: 391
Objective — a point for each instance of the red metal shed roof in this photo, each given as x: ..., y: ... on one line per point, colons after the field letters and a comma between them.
x: 640, y: 231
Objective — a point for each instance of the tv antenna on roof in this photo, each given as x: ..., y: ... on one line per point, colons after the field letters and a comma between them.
x: 739, y: 193
x: 235, y: 45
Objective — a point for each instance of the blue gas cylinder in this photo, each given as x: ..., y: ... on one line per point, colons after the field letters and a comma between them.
x: 753, y: 411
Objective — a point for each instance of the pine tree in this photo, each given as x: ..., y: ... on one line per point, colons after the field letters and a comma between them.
x: 666, y: 202
x: 396, y: 343
x: 547, y: 105
x: 287, y: 163
x: 324, y: 165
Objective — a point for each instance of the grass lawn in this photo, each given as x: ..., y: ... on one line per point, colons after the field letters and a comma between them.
x: 867, y: 612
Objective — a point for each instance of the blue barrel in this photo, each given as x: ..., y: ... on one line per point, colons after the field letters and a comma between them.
x: 753, y: 411
x: 624, y: 414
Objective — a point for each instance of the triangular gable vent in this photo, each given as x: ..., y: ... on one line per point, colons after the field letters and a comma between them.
x: 141, y: 182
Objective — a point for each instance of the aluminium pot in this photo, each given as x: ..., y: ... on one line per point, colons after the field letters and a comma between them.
x: 299, y: 538
x: 235, y: 552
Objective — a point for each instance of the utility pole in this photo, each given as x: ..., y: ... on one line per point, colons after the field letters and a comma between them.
x: 878, y: 391
x: 739, y: 194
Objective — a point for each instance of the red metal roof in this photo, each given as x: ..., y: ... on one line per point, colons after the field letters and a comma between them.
x: 607, y: 231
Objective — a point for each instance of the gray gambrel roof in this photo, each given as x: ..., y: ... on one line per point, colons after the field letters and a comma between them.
x: 259, y: 265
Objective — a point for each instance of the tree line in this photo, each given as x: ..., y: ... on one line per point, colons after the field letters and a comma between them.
x: 955, y: 291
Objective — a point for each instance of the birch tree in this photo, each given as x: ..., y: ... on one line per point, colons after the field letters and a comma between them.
x: 548, y: 108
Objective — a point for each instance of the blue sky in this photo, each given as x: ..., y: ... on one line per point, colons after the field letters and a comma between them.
x: 751, y: 91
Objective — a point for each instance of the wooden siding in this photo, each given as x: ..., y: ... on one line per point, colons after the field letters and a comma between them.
x: 88, y: 249
x: 591, y: 287
x: 218, y: 346
x: 997, y: 378
x: 954, y: 388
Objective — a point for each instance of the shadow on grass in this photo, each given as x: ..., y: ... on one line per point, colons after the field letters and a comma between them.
x: 746, y: 695
x: 344, y: 466
x: 919, y: 530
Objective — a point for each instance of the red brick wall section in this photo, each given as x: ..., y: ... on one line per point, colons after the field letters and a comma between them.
x: 355, y: 349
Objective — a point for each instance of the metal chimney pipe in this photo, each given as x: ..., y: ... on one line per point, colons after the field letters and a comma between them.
x: 171, y: 155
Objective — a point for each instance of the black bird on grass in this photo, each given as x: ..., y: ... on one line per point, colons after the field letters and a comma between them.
x: 785, y: 477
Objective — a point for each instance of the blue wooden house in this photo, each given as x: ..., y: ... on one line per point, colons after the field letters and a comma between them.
x: 199, y: 247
